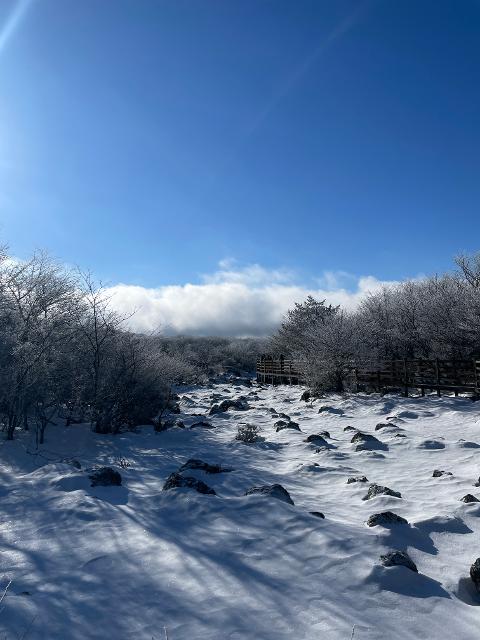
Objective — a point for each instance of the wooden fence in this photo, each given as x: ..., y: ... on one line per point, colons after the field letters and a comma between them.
x: 279, y: 371
x: 457, y: 376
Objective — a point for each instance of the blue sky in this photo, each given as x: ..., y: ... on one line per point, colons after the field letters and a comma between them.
x: 149, y: 139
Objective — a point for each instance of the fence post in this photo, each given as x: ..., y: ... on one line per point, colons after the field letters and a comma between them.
x: 437, y: 376
x: 475, y: 377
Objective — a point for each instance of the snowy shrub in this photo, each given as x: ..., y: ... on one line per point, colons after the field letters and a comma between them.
x: 248, y: 433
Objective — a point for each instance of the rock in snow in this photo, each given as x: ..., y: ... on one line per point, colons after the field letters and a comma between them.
x: 272, y: 490
x: 379, y: 490
x: 176, y: 480
x: 475, y: 573
x: 398, y: 559
x: 105, y: 477
x: 384, y: 519
x: 353, y: 479
x: 438, y: 473
x: 283, y: 424
x: 317, y: 440
x: 469, y: 498
x: 193, y: 463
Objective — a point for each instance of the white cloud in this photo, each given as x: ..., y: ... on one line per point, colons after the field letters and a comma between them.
x: 249, y: 301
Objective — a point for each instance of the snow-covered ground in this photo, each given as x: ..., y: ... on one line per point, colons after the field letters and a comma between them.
x: 133, y: 562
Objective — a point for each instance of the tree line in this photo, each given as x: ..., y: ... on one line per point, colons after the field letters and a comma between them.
x: 66, y: 354
x: 432, y: 317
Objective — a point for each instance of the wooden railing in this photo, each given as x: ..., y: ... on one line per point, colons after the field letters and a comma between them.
x: 438, y: 375
x: 279, y: 371
x: 459, y: 376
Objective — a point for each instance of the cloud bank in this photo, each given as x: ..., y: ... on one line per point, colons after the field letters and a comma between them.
x: 248, y: 301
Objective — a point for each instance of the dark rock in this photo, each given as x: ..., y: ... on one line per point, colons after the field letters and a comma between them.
x: 171, y: 424
x: 469, y: 498
x: 193, y: 463
x: 240, y: 404
x: 317, y: 440
x: 438, y: 473
x: 281, y: 424
x: 468, y: 444
x: 384, y: 519
x: 382, y: 425
x: 203, y: 424
x: 400, y: 435
x: 379, y: 490
x: 333, y: 410
x: 176, y: 480
x: 367, y: 442
x: 272, y: 490
x: 324, y: 434
x: 105, y: 477
x: 349, y: 428
x: 317, y: 514
x: 477, y: 484
x: 475, y: 573
x: 75, y: 463
x: 353, y: 479
x: 431, y: 444
x: 398, y: 559
x: 306, y: 395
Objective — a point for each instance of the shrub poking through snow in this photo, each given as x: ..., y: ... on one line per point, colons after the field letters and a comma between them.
x: 384, y: 519
x: 398, y: 559
x: 105, y: 477
x: 306, y: 395
x: 379, y: 490
x: 248, y: 433
x: 317, y: 514
x: 475, y: 573
x: 176, y: 481
x: 273, y: 491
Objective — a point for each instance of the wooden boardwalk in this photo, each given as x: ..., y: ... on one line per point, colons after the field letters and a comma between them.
x: 457, y: 376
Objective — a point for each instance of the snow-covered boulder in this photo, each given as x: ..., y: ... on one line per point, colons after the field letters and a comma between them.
x: 332, y: 410
x: 385, y: 519
x: 367, y: 442
x: 469, y: 498
x: 398, y: 559
x: 317, y: 440
x: 177, y: 481
x: 105, y: 477
x: 379, y: 490
x: 271, y: 490
x: 240, y: 404
x: 438, y: 473
x: 283, y: 424
x: 431, y: 444
x: 475, y: 573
